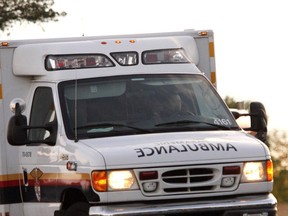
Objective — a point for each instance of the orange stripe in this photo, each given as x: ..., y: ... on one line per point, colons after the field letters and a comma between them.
x: 211, y: 49
x: 65, y: 176
x: 10, y: 177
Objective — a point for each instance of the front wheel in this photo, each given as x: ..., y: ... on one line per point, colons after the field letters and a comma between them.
x: 78, y: 209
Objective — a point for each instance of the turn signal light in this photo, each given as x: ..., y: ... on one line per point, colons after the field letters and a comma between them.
x: 269, y: 170
x: 99, y: 181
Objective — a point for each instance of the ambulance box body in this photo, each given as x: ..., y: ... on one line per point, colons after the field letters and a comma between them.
x: 126, y: 125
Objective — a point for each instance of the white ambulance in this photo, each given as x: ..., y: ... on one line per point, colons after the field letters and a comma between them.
x: 125, y: 125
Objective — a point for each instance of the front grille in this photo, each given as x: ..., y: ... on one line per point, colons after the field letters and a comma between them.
x: 187, y: 180
x: 187, y: 175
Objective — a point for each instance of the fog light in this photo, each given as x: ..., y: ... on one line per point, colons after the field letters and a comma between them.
x: 150, y: 186
x: 228, y: 182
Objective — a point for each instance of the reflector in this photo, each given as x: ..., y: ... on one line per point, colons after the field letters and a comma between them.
x: 148, y: 175
x: 231, y: 170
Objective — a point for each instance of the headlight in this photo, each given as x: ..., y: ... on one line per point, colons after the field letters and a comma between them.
x: 257, y: 171
x: 120, y: 180
x: 104, y: 181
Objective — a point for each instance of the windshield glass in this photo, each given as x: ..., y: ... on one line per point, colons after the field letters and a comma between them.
x: 124, y: 105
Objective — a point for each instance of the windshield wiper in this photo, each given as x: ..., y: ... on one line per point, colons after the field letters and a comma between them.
x: 181, y: 122
x: 108, y: 124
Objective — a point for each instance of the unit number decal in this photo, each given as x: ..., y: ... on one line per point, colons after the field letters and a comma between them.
x: 219, y: 121
x: 27, y: 154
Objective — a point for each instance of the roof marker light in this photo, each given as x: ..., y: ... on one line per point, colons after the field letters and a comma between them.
x: 118, y: 42
x: 4, y: 43
x: 103, y: 42
x: 132, y: 41
x: 203, y: 33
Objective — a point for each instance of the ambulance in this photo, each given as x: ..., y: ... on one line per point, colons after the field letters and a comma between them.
x: 126, y: 125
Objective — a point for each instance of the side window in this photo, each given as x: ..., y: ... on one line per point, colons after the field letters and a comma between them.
x: 42, y: 112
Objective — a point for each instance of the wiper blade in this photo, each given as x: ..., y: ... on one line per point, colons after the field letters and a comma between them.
x: 181, y: 122
x: 108, y: 124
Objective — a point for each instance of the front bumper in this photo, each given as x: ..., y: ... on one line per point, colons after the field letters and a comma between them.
x: 256, y: 205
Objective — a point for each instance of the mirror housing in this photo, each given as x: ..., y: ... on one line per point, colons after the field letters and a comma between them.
x: 18, y: 129
x: 258, y: 120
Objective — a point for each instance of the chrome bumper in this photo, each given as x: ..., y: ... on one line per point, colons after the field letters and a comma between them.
x: 241, y: 204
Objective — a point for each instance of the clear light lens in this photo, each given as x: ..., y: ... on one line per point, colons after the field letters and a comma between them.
x: 120, y: 180
x: 126, y: 58
x: 165, y: 56
x: 254, y: 171
x: 64, y: 62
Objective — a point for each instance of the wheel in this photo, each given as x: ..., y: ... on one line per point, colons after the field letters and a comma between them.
x: 78, y: 209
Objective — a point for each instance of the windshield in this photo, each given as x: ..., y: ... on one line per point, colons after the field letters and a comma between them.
x: 124, y: 105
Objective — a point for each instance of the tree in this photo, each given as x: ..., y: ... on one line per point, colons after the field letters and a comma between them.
x: 12, y: 11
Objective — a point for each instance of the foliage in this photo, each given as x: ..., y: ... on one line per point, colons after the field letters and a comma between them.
x: 278, y: 142
x: 232, y: 103
x: 34, y: 11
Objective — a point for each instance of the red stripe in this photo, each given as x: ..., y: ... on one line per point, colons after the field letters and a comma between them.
x: 46, y: 182
x: 12, y: 183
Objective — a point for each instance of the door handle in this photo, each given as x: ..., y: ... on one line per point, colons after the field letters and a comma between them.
x: 25, y: 177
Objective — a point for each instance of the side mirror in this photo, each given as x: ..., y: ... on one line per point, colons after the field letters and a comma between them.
x: 18, y: 129
x: 258, y: 120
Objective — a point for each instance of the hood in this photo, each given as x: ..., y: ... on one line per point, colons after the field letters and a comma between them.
x: 178, y: 148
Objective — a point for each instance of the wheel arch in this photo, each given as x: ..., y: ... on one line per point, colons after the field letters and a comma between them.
x: 70, y: 196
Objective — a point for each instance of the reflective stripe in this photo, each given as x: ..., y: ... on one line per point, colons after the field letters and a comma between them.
x: 211, y: 49
x: 212, y: 62
x: 213, y: 78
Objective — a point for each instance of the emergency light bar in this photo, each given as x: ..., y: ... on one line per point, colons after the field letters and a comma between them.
x: 165, y: 56
x: 64, y: 62
x: 78, y: 61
